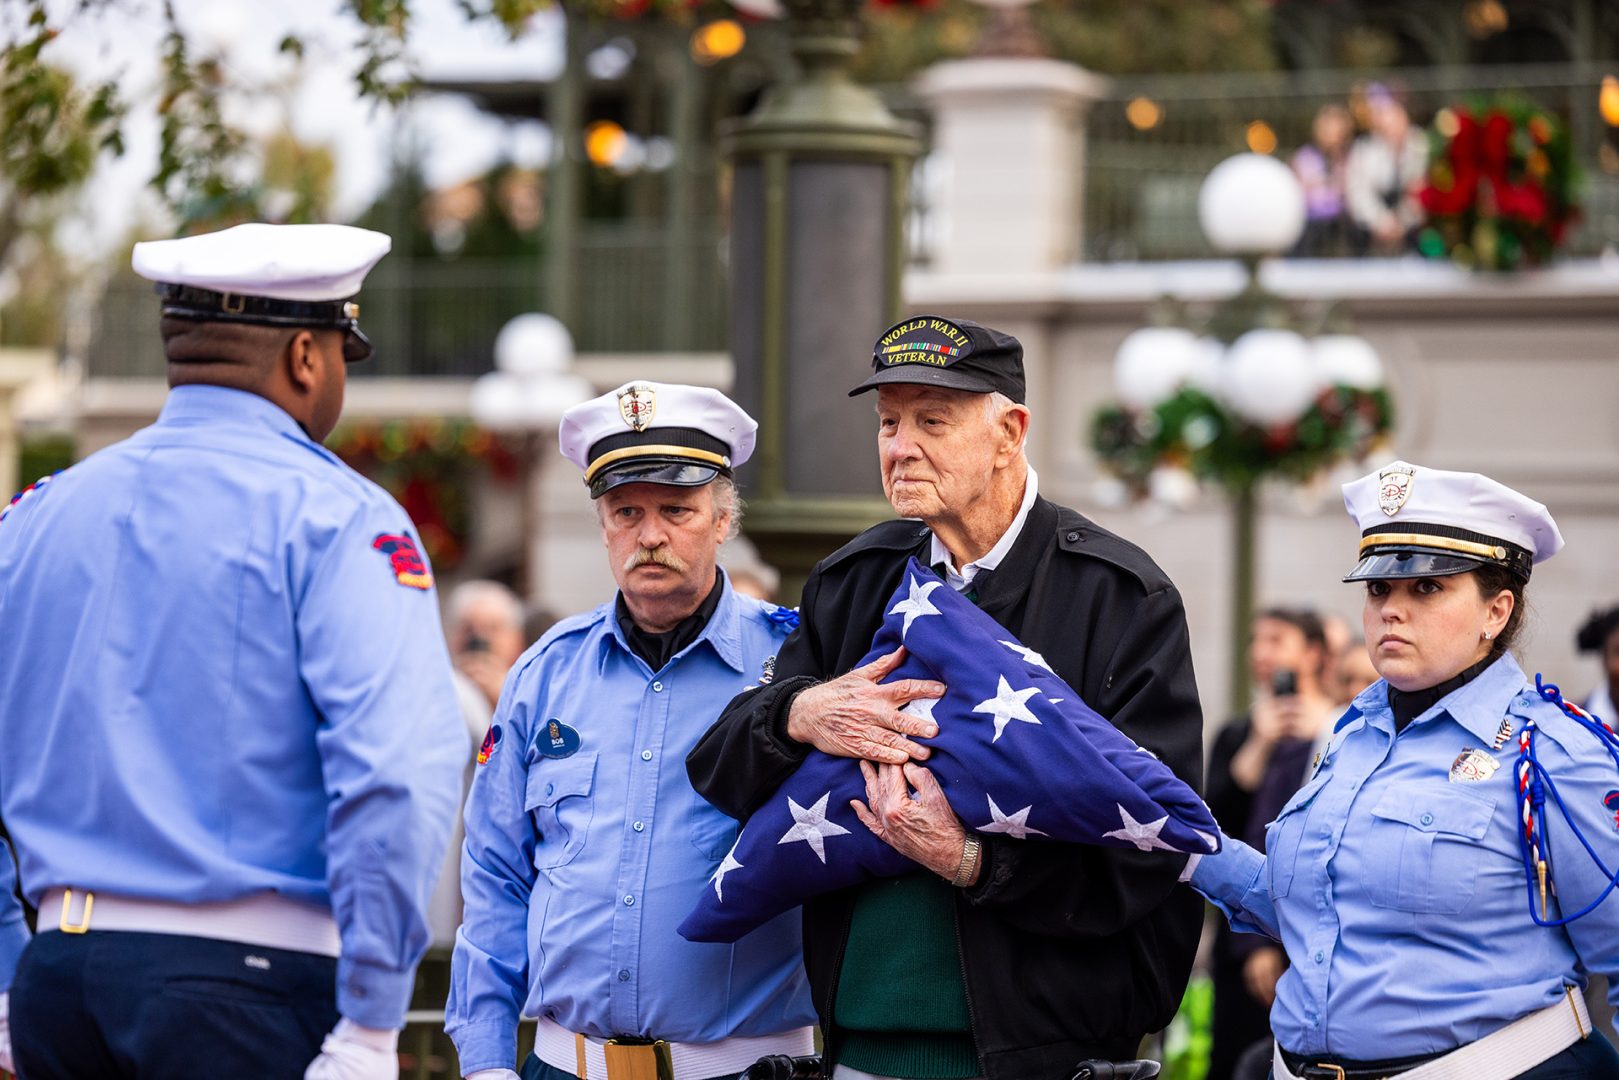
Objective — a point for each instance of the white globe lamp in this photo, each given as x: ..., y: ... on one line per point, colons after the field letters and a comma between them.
x: 1153, y: 363
x: 1251, y: 204
x: 1347, y: 360
x: 1269, y: 377
x: 533, y: 344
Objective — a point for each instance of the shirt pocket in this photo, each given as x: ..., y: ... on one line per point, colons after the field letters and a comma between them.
x: 557, y: 796
x: 712, y: 833
x: 1284, y: 835
x: 1423, y: 848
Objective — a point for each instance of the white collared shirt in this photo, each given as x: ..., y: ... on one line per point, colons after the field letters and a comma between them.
x: 960, y: 579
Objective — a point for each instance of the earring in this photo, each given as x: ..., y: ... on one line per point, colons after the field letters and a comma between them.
x: 1488, y: 635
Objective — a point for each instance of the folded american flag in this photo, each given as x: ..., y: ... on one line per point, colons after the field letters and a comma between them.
x: 1018, y: 754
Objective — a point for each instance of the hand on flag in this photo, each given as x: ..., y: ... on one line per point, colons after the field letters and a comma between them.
x: 923, y: 827
x: 859, y: 716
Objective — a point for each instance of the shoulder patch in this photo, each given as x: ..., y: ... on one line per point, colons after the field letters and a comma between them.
x: 491, y: 743
x: 409, y: 568
x: 32, y: 491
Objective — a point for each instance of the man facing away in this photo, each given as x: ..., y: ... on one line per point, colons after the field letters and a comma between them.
x: 229, y: 747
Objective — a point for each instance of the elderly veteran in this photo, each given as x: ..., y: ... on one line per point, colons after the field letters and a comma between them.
x: 229, y: 745
x: 1434, y: 930
x: 997, y: 957
x: 586, y: 845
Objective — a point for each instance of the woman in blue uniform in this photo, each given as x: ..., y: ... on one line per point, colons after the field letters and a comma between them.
x: 1403, y: 879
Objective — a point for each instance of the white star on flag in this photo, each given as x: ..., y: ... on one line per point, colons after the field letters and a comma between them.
x: 811, y: 826
x: 1013, y: 825
x: 922, y: 706
x: 1008, y: 705
x: 916, y: 605
x: 1028, y: 654
x: 1144, y: 837
x: 728, y: 864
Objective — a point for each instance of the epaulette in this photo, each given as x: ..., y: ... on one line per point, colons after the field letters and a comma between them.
x: 1079, y: 535
x: 900, y: 534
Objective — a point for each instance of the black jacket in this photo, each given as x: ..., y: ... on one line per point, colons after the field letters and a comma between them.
x: 1069, y: 951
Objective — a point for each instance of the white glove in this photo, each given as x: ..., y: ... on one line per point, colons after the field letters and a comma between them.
x: 352, y: 1052
x: 493, y: 1074
x: 5, y: 1034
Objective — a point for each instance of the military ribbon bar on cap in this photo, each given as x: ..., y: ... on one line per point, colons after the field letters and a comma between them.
x: 929, y: 340
x: 1019, y: 756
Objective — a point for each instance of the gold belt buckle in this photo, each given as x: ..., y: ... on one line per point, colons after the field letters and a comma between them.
x: 638, y: 1060
x: 1337, y: 1069
x: 83, y: 924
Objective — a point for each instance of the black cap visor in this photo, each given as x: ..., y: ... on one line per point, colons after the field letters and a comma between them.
x: 356, y: 346
x: 1387, y: 565
x: 925, y: 375
x: 678, y: 472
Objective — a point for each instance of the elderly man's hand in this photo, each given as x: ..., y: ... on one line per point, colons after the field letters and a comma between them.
x: 857, y: 716
x: 923, y: 828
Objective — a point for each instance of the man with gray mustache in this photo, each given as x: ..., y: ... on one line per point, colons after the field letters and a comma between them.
x: 586, y: 844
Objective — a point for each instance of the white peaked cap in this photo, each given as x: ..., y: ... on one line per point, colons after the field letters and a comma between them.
x: 1421, y: 522
x: 652, y: 432
x: 308, y: 263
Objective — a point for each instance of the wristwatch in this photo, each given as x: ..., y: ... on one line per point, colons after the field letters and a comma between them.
x: 970, y: 851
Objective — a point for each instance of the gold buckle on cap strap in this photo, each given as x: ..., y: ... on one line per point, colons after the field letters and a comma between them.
x: 1442, y: 543
x: 658, y: 450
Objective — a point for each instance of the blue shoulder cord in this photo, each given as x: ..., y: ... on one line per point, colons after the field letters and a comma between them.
x: 1534, y: 782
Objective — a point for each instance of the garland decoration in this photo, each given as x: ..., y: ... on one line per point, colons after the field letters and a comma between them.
x: 429, y: 466
x: 1501, y: 191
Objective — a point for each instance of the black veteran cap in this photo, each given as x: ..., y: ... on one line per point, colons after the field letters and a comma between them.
x: 955, y: 354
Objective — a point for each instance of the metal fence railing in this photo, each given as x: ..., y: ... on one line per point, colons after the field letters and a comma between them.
x: 1141, y: 184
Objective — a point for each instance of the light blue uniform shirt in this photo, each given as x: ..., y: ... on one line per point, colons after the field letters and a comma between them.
x: 215, y: 683
x: 1398, y: 891
x: 577, y: 869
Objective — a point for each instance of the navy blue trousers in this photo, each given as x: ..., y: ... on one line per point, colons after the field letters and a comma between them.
x: 127, y: 1006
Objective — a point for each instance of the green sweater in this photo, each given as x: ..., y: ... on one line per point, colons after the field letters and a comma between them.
x: 901, y: 1006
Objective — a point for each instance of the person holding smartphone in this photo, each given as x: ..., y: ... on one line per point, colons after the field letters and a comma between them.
x: 1258, y: 761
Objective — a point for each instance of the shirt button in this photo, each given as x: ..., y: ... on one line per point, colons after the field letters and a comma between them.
x: 1320, y: 958
x: 639, y: 826
x: 1427, y: 819
x: 1073, y: 537
x: 646, y: 755
x: 550, y: 788
x: 623, y: 974
x: 657, y: 688
x: 629, y: 901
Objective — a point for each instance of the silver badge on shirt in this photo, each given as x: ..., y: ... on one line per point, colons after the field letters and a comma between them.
x: 1473, y: 767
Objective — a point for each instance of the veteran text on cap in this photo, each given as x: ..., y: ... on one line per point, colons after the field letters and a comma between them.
x: 954, y: 354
